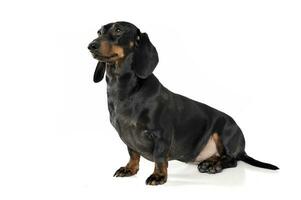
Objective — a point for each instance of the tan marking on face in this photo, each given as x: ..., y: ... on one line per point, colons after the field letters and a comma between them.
x: 105, y: 48
x: 108, y: 50
x: 117, y: 50
x: 131, y: 44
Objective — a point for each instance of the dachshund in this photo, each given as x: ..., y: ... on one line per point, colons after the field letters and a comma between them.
x: 154, y: 122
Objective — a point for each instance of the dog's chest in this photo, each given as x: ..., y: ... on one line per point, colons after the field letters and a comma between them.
x: 130, y: 127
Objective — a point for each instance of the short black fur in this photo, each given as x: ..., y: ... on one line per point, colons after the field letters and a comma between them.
x: 151, y: 120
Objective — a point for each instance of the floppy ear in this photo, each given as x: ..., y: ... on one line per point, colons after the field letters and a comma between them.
x: 99, y: 71
x: 145, y: 58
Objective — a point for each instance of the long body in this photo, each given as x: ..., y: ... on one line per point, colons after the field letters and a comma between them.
x: 140, y: 107
x: 154, y: 122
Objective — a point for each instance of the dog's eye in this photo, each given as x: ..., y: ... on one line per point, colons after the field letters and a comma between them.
x: 100, y: 31
x: 117, y: 30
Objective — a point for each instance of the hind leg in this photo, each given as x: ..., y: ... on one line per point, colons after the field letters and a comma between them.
x: 220, y: 158
x: 216, y: 164
x: 211, y: 165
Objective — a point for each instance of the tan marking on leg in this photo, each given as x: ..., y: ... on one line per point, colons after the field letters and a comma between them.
x: 133, y: 163
x: 161, y: 169
x: 213, y: 158
x: 159, y: 176
x: 218, y: 142
x: 211, y: 149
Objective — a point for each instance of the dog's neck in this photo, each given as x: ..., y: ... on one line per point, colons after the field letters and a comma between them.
x: 121, y: 80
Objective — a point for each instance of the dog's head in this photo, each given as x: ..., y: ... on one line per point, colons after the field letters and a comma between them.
x: 116, y: 41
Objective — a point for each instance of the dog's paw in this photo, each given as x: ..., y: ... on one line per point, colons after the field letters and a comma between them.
x: 209, y: 167
x: 124, y: 172
x: 156, y: 179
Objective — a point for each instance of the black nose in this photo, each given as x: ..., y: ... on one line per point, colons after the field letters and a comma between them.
x: 93, y: 46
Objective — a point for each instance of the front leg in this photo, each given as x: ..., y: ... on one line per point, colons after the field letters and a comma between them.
x: 159, y: 175
x: 132, y: 166
x: 160, y: 154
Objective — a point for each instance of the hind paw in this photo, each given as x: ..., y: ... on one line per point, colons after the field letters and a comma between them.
x: 210, y: 167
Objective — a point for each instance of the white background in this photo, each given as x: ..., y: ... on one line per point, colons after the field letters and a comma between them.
x: 56, y: 141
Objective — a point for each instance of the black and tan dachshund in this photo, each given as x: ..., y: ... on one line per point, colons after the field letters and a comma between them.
x: 154, y: 122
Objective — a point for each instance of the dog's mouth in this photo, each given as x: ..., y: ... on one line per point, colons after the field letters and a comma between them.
x: 104, y: 58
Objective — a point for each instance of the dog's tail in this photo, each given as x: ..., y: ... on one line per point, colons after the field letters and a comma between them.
x: 244, y: 157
